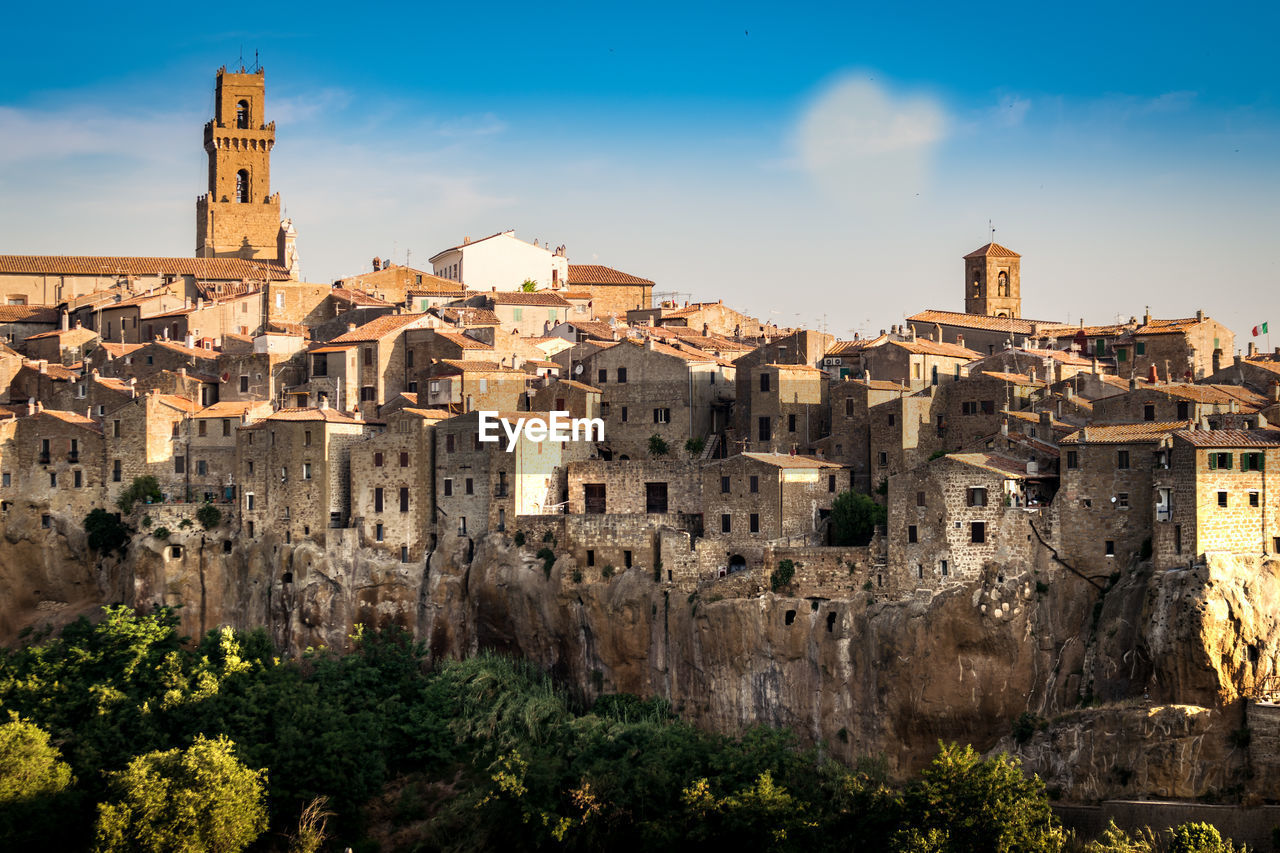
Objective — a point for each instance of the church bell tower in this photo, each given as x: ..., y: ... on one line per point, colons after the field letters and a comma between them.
x: 239, y: 217
x: 993, y: 282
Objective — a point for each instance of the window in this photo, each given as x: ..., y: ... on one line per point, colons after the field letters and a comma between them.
x: 1122, y: 500
x: 978, y: 531
x: 179, y: 464
x: 661, y: 416
x: 602, y: 375
x: 1149, y: 412
x: 1251, y: 461
x: 377, y: 498
x: 920, y: 500
x: 1122, y: 460
x: 755, y: 522
x: 517, y: 314
x: 764, y: 382
x: 725, y: 526
x: 755, y: 484
x: 242, y: 188
x: 242, y: 115
x: 115, y: 429
x: 306, y: 438
x: 848, y: 407
x: 1253, y: 499
x: 624, y: 414
x: 116, y: 473
x: 1220, y: 461
x: 202, y: 468
x: 248, y: 500
x: 469, y: 486
x: 942, y: 566
x: 368, y: 394
x: 377, y: 457
x: 622, y: 374
x: 377, y: 532
x: 404, y: 498
x: 448, y: 487
x: 969, y: 407
x: 408, y: 358
x: 1109, y: 548
x: 284, y: 474
x: 404, y: 459
x: 988, y: 407
x: 366, y: 353
x: 911, y: 533
x: 1184, y: 410
x: 306, y: 470
x: 1073, y: 459
x: 791, y: 423
x: 977, y: 496
x: 1222, y: 499
x: 892, y: 420
x: 78, y: 478
x: 655, y: 497
x: 226, y: 427
x: 591, y: 557
x: 1122, y: 355
x: 449, y: 444
x: 626, y: 559
x: 1177, y: 539
x: 884, y: 458
x: 404, y: 553
x: 53, y: 479
x: 174, y: 431
x: 594, y: 497
x: 765, y: 429
x: 724, y: 485
x: 1140, y: 348
x: 244, y: 384
x: 831, y: 482
x: 502, y: 485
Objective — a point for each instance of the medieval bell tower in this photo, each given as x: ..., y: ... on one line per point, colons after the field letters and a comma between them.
x: 240, y: 217
x: 993, y: 282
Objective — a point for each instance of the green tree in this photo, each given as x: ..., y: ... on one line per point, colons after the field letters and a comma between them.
x: 209, y: 516
x: 106, y: 532
x: 146, y: 489
x: 695, y: 446
x: 658, y: 445
x: 202, y: 798
x: 1116, y: 840
x: 528, y: 285
x: 1199, y: 838
x: 30, y: 766
x: 854, y: 517
x: 980, y: 805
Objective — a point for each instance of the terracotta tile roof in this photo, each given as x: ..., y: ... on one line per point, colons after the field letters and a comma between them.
x: 596, y: 274
x: 120, y: 350
x: 332, y: 416
x: 190, y: 352
x: 28, y: 313
x: 1148, y: 431
x: 994, y: 462
x: 1209, y: 394
x: 55, y: 371
x: 879, y: 384
x: 333, y: 348
x: 378, y: 328
x: 117, y: 385
x: 683, y: 354
x: 220, y: 290
x: 1015, y: 378
x: 357, y: 297
x: 57, y: 333
x: 573, y: 383
x: 537, y: 362
x: 219, y: 268
x: 283, y: 328
x: 429, y: 414
x: 853, y: 347
x: 800, y: 367
x: 786, y: 460
x: 453, y: 365
x: 461, y: 340
x: 72, y: 418
x: 174, y: 401
x: 994, y: 250
x: 538, y: 297
x: 924, y: 346
x: 982, y: 322
x: 597, y: 329
x: 575, y: 294
x: 1063, y: 331
x: 230, y: 408
x: 1168, y: 327
x: 1231, y: 437
x: 1034, y: 418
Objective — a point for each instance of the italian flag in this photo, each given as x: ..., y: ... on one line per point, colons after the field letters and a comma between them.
x: 1260, y: 330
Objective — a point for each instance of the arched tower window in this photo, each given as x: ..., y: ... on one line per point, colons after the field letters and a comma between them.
x: 1002, y: 283
x: 242, y: 186
x: 977, y: 289
x: 242, y: 115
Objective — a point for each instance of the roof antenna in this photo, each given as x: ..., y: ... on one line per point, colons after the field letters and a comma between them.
x: 242, y: 58
x: 992, y: 229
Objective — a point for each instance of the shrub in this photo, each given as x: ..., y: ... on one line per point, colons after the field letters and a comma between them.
x: 549, y: 537
x: 854, y: 517
x: 782, y: 576
x: 106, y: 531
x: 519, y: 539
x: 184, y: 524
x: 577, y: 575
x: 606, y: 572
x: 1027, y: 725
x: 209, y: 516
x: 143, y: 489
x: 658, y: 445
x: 695, y: 446
x: 161, y: 533
x: 146, y: 521
x: 548, y: 558
x: 1199, y: 838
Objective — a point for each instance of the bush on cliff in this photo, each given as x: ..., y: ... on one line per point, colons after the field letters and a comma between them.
x: 106, y: 532
x: 854, y: 517
x: 144, y: 489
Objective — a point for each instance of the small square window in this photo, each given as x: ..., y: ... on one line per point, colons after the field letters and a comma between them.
x: 1109, y: 548
x: 978, y: 531
x: 1073, y: 459
x: 1122, y: 500
x: 1253, y: 499
x: 1222, y: 499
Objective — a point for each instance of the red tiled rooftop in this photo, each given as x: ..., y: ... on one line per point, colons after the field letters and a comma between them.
x: 597, y: 274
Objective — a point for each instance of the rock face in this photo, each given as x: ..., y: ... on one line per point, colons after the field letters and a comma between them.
x: 1170, y: 655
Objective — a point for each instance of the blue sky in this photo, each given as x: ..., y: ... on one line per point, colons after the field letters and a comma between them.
x: 813, y: 163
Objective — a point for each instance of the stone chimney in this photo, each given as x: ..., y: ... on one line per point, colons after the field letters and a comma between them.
x: 182, y: 371
x: 356, y: 416
x: 1046, y: 421
x: 1004, y: 426
x: 1199, y: 315
x: 649, y: 344
x: 189, y: 340
x: 39, y: 406
x: 959, y: 340
x: 1237, y: 358
x: 1275, y: 392
x: 377, y: 264
x: 66, y: 321
x: 1253, y: 349
x: 31, y: 406
x: 1068, y: 392
x: 44, y: 367
x: 199, y: 303
x: 351, y: 327
x: 1133, y: 383
x: 133, y: 387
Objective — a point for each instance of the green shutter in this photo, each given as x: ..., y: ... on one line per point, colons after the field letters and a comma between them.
x: 517, y: 314
x: 1122, y: 354
x: 1140, y: 348
x: 1100, y: 347
x: 1213, y: 461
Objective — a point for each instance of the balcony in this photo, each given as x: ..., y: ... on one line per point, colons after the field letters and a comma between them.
x: 42, y: 459
x: 73, y: 457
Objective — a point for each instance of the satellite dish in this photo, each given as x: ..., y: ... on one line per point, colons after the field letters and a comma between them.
x: 577, y: 370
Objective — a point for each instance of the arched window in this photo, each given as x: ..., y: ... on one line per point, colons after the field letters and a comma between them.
x: 1002, y: 283
x: 242, y: 186
x: 977, y: 289
x: 242, y: 115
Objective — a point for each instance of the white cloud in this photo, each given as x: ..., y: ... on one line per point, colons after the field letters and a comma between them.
x: 860, y: 141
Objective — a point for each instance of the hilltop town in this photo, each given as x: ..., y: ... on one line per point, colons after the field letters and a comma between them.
x: 335, y: 427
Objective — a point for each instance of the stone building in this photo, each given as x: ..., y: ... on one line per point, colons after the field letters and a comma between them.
x: 211, y: 446
x: 529, y: 314
x: 613, y: 292
x: 752, y: 499
x: 240, y: 314
x: 1220, y: 491
x: 62, y: 346
x: 41, y: 381
x: 393, y: 485
x: 382, y: 365
x: 1176, y: 401
x: 650, y: 389
x: 714, y: 318
x: 788, y: 406
x: 53, y: 459
x: 849, y: 443
x: 294, y: 474
x: 466, y: 386
x: 916, y: 362
x: 993, y: 281
x: 395, y: 283
x: 1105, y: 505
x: 1259, y: 371
x: 150, y: 435
x: 502, y: 261
x: 955, y: 517
x: 634, y: 487
x: 568, y: 395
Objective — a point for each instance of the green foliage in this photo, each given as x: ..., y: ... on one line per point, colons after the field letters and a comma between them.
x: 145, y: 489
x: 518, y: 539
x: 1199, y: 838
x: 606, y: 572
x: 577, y: 576
x: 1116, y: 840
x: 658, y: 445
x: 33, y: 782
x: 981, y: 805
x: 854, y: 517
x: 209, y: 516
x: 781, y: 576
x: 549, y: 537
x: 695, y: 446
x: 106, y: 532
x: 1027, y: 725
x: 146, y: 521
x: 937, y: 454
x: 199, y: 799
x: 548, y: 558
x: 161, y: 533
x: 528, y: 285
x: 883, y: 489
x: 184, y: 524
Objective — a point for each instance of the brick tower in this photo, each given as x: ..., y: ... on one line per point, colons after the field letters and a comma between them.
x: 993, y: 282
x: 239, y: 217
